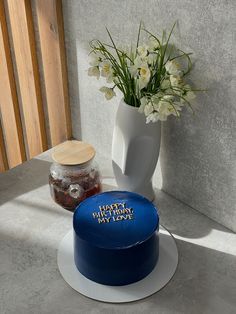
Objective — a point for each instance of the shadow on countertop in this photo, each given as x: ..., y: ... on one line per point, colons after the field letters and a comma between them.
x: 23, y: 178
x: 203, y: 283
x: 173, y: 213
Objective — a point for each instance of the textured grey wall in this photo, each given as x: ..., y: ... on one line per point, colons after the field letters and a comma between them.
x: 198, y: 154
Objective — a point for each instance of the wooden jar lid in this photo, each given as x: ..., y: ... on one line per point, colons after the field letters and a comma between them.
x: 73, y: 153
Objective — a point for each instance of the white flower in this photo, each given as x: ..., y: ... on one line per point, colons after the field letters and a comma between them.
x: 145, y: 72
x: 109, y: 92
x: 188, y: 93
x: 153, y: 44
x: 156, y: 97
x: 168, y: 97
x: 142, y: 82
x: 140, y: 70
x: 155, y: 101
x: 156, y: 106
x: 148, y: 109
x: 151, y: 58
x: 163, y: 115
x: 174, y: 109
x: 175, y: 80
x: 165, y: 84
x: 143, y: 102
x: 95, y: 60
x: 142, y: 51
x: 144, y: 77
x: 110, y: 78
x: 115, y: 80
x: 159, y: 103
x: 153, y: 117
x: 189, y: 96
x: 168, y: 108
x: 134, y: 68
x: 94, y: 71
x: 106, y: 70
x: 172, y: 67
x: 165, y: 109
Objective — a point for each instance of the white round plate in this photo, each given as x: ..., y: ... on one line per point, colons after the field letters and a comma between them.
x: 157, y: 279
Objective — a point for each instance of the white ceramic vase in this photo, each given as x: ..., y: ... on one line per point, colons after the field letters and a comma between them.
x: 135, y: 150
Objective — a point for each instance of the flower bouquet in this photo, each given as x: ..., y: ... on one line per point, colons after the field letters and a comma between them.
x: 151, y: 75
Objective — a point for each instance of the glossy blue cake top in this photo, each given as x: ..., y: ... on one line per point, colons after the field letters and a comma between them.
x: 115, y: 219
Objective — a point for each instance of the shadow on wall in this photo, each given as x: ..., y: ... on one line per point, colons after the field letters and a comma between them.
x: 182, y: 220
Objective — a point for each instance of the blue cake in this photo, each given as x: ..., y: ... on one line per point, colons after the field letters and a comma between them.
x: 116, y: 237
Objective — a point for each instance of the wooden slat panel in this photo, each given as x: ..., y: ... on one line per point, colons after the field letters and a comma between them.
x: 8, y: 100
x: 20, y: 16
x: 50, y: 22
x: 3, y: 157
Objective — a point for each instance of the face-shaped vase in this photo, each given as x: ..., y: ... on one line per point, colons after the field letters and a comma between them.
x: 135, y: 150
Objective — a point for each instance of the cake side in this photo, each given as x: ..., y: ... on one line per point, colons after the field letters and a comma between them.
x: 116, y: 267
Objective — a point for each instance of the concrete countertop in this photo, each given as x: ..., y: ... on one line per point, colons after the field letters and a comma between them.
x: 32, y: 226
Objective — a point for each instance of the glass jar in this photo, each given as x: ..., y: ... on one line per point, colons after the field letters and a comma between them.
x: 72, y: 183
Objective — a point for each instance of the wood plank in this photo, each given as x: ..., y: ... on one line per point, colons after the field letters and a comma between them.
x: 50, y: 24
x: 3, y: 157
x: 9, y: 106
x: 21, y: 23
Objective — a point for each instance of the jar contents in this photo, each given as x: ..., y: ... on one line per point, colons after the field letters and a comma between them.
x: 69, y: 185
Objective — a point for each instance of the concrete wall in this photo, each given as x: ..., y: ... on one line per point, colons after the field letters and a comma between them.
x: 198, y: 153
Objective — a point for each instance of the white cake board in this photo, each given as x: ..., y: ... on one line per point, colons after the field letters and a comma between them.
x: 157, y: 279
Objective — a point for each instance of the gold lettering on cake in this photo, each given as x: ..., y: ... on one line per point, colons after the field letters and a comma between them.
x: 97, y: 215
x: 113, y: 212
x: 112, y: 206
x: 104, y: 220
x: 123, y: 217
